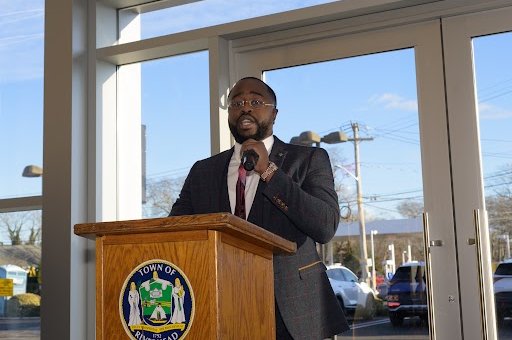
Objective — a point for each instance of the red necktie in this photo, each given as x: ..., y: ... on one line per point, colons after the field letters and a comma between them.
x: 240, y: 192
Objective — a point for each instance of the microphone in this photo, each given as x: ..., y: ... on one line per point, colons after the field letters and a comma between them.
x: 249, y: 159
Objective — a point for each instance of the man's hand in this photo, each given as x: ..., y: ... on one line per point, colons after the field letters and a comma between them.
x: 261, y: 150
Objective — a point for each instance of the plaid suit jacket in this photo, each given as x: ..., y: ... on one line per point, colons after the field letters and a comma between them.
x: 298, y: 204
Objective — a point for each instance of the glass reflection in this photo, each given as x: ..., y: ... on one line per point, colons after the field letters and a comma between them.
x: 372, y: 101
x: 494, y: 88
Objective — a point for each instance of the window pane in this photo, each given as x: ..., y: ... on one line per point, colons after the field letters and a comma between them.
x: 21, y: 95
x: 350, y: 276
x: 504, y: 269
x: 21, y: 144
x: 176, y: 119
x: 494, y: 88
x: 207, y: 13
x: 372, y: 99
x: 20, y: 259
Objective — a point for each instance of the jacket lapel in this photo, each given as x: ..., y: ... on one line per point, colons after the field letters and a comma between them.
x: 278, y: 153
x: 260, y: 204
x: 223, y: 166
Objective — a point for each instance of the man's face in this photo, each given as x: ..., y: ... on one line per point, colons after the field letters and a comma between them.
x: 249, y: 122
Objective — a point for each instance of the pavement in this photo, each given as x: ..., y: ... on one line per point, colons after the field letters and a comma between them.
x: 20, y: 328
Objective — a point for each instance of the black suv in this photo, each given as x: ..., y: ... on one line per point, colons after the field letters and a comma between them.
x: 407, y: 293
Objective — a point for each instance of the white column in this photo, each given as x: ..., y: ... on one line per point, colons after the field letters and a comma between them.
x: 65, y: 188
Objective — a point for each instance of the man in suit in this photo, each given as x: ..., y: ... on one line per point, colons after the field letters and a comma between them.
x: 290, y: 192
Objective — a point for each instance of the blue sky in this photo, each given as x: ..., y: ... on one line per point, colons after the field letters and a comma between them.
x: 494, y: 85
x: 377, y: 91
x: 21, y: 94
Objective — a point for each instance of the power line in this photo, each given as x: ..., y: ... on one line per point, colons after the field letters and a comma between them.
x: 497, y: 155
x: 495, y: 96
x: 501, y: 173
x: 168, y: 173
x: 403, y: 140
x: 400, y: 129
x: 399, y: 193
x: 496, y: 140
x: 381, y: 208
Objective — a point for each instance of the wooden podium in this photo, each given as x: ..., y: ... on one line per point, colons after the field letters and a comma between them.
x: 226, y: 261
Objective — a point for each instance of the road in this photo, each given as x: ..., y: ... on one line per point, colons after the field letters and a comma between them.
x: 381, y: 327
x: 20, y: 328
x: 413, y: 329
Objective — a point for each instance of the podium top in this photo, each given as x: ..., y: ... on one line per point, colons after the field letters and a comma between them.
x: 224, y: 222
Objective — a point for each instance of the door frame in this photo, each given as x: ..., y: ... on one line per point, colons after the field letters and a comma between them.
x: 468, y: 183
x: 253, y: 56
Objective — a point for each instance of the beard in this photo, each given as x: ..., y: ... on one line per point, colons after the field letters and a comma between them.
x: 263, y: 130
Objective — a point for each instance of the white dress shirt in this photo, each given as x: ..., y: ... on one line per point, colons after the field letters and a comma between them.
x: 253, y: 178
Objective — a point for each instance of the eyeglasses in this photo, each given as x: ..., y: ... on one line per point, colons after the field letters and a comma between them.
x: 254, y: 103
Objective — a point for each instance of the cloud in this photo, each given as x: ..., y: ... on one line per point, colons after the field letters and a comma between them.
x: 394, y: 101
x: 21, y: 40
x: 15, y: 17
x: 213, y: 12
x: 492, y: 112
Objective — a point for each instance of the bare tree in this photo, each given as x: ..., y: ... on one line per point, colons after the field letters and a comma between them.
x: 499, y: 210
x: 34, y: 236
x: 342, y: 177
x: 161, y: 195
x: 19, y: 222
x: 410, y: 208
x: 498, y: 204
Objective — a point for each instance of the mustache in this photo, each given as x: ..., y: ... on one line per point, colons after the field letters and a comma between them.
x: 247, y: 116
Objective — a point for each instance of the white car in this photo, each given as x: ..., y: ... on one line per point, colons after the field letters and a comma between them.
x: 503, y: 290
x: 356, y: 298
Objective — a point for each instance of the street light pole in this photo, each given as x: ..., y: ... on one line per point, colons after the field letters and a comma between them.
x: 507, y: 240
x: 360, y: 209
x: 310, y: 138
x: 391, y: 248
x: 374, y: 279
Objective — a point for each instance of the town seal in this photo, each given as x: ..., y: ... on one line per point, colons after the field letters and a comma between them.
x: 156, y: 302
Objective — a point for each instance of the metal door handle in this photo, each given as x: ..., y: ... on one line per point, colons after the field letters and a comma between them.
x: 436, y: 243
x: 428, y: 244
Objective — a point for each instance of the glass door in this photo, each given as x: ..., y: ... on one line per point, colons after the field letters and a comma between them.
x: 382, y: 92
x: 493, y: 72
x: 479, y: 90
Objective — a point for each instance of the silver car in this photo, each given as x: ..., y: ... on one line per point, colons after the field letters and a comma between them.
x: 503, y: 290
x: 355, y: 297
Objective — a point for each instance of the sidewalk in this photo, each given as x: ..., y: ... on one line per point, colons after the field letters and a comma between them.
x: 20, y: 328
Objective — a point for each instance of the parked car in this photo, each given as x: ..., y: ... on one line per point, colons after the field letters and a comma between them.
x: 355, y: 298
x: 407, y: 293
x: 503, y: 290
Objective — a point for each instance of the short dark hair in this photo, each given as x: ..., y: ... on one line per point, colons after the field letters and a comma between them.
x: 269, y: 89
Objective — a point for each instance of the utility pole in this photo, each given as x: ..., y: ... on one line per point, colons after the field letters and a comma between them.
x: 374, y: 279
x: 507, y: 239
x: 310, y: 138
x: 360, y: 208
x: 391, y: 248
